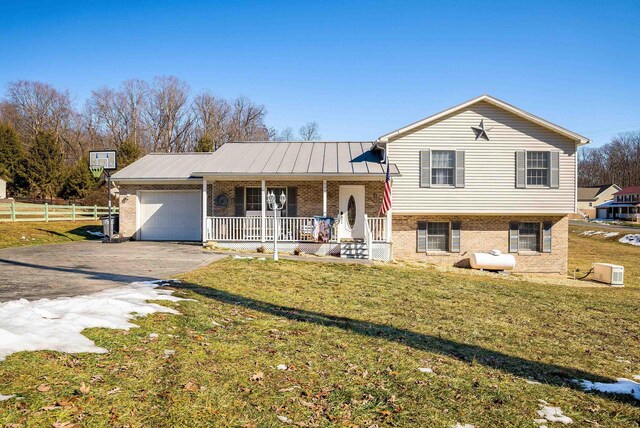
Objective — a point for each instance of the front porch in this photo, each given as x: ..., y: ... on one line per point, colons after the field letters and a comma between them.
x: 321, y: 217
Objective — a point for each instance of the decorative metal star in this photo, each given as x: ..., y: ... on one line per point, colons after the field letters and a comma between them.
x: 480, y: 131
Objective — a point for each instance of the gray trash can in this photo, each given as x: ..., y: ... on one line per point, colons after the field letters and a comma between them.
x: 115, y: 225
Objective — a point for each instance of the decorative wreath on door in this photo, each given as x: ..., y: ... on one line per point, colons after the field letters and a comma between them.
x: 222, y: 200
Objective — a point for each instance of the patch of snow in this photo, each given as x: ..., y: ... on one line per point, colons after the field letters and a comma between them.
x: 237, y: 257
x: 632, y: 239
x: 262, y: 259
x: 169, y: 352
x: 636, y: 376
x: 57, y: 324
x: 282, y: 367
x: 552, y: 414
x: 425, y: 369
x: 532, y: 382
x: 285, y: 419
x: 24, y: 238
x: 622, y: 386
x: 153, y: 335
x: 6, y: 397
x: 95, y: 233
x: 459, y: 425
x: 611, y: 234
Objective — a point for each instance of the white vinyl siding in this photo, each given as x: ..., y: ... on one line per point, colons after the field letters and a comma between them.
x: 490, y: 166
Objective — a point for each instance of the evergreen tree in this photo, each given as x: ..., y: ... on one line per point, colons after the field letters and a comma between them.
x: 12, y: 159
x: 45, y: 166
x: 128, y: 153
x: 204, y: 144
x: 79, y: 181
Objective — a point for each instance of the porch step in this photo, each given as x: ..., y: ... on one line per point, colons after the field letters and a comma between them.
x: 354, y: 250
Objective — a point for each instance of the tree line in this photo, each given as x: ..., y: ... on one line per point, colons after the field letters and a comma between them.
x: 617, y: 162
x: 45, y: 139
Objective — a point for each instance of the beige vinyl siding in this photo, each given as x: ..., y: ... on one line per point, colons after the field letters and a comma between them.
x: 490, y: 170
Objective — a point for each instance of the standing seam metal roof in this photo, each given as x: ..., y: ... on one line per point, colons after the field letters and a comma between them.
x: 261, y: 158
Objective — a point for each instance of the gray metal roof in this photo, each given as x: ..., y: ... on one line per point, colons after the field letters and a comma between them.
x: 163, y: 166
x: 262, y: 159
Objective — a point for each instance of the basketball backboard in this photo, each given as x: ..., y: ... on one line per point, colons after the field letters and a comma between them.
x: 103, y: 158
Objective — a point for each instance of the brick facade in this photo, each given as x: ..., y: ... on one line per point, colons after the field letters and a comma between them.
x: 481, y: 234
x: 478, y: 234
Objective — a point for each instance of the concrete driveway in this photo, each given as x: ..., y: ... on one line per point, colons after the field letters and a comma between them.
x: 85, y: 267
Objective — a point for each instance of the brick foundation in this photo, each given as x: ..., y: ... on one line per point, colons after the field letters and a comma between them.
x: 481, y: 234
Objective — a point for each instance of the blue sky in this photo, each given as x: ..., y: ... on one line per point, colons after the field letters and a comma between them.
x: 360, y: 69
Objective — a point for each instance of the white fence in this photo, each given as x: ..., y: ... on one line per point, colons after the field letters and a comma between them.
x: 21, y: 211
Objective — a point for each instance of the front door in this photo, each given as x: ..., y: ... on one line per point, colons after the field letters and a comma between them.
x: 352, y: 212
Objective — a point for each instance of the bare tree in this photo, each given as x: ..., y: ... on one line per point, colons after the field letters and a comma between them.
x: 119, y: 112
x: 310, y: 132
x: 615, y: 162
x: 39, y: 106
x: 212, y: 119
x: 168, y: 117
x: 247, y: 121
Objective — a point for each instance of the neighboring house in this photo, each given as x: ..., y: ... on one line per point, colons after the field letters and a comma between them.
x: 3, y: 189
x: 589, y: 197
x: 624, y: 206
x: 482, y: 175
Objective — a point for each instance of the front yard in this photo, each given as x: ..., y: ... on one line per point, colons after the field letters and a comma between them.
x: 38, y: 233
x: 311, y: 344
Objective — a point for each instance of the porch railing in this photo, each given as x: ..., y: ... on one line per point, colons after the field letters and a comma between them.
x: 290, y: 229
x: 377, y: 228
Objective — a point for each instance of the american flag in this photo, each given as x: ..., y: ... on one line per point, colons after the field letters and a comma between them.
x: 386, y: 199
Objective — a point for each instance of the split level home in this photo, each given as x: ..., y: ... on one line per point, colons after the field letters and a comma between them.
x: 479, y: 176
x: 625, y: 205
x: 592, y: 196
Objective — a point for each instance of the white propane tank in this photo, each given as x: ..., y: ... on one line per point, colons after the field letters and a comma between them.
x: 494, y: 260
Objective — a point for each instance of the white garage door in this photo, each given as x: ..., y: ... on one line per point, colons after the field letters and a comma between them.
x: 170, y: 216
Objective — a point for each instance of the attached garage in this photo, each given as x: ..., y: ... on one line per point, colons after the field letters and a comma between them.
x: 169, y: 215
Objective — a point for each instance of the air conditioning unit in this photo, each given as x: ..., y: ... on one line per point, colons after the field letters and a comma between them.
x: 609, y: 274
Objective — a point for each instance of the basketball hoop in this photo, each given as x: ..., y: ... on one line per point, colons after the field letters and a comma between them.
x: 96, y: 171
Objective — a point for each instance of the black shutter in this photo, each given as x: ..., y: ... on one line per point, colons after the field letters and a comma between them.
x: 239, y: 201
x: 292, y: 202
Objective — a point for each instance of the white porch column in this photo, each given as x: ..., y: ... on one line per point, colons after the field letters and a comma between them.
x: 324, y: 198
x: 263, y: 224
x: 204, y: 210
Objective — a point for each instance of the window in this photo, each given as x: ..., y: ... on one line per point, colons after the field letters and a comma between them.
x: 537, y: 168
x: 443, y: 165
x: 253, y: 197
x: 437, y: 236
x: 590, y: 204
x: 529, y: 237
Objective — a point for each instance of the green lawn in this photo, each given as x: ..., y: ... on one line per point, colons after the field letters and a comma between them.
x: 38, y: 233
x: 352, y: 338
